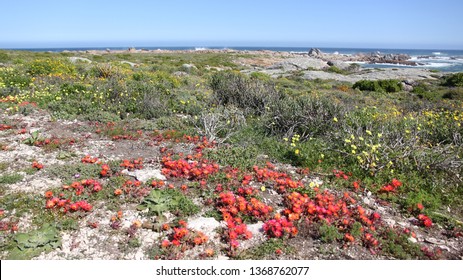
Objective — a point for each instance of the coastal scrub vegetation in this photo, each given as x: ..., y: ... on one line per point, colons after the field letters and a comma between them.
x: 305, y: 158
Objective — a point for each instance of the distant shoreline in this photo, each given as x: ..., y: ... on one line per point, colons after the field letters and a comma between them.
x: 432, y: 59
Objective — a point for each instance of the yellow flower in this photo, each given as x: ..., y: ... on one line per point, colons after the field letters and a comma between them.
x: 262, y: 188
x: 335, y: 119
x: 296, y: 151
x: 368, y: 132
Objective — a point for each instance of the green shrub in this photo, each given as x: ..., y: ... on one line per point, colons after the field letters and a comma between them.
x: 14, y: 78
x: 329, y: 233
x: 453, y: 80
x: 334, y: 69
x: 379, y: 86
x: 253, y: 96
x: 50, y: 66
x: 4, y: 57
x: 160, y: 201
x: 454, y: 94
x: 241, y: 157
x: 307, y: 116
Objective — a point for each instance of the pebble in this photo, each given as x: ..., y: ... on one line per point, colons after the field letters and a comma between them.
x: 412, y: 239
x: 433, y: 240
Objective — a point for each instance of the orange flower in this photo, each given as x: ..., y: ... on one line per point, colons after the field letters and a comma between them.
x: 118, y: 192
x: 209, y: 252
x: 48, y: 194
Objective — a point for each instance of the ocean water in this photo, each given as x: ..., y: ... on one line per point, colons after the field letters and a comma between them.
x: 437, y: 59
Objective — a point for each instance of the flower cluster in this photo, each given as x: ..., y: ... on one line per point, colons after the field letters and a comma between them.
x: 340, y: 174
x: 327, y: 208
x: 188, y: 169
x: 391, y: 187
x: 66, y: 205
x: 235, y: 231
x: 37, y: 165
x: 236, y: 204
x: 424, y: 220
x: 5, y: 127
x: 105, y: 170
x: 183, y: 238
x: 89, y: 186
x: 282, y: 180
x: 132, y: 188
x: 132, y: 164
x: 89, y: 159
x: 279, y: 227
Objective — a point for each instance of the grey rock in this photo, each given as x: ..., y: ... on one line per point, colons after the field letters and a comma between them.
x: 315, y: 52
x: 75, y: 59
x: 189, y: 67
x: 206, y: 225
x: 255, y: 228
x: 433, y: 240
x: 339, y: 64
x: 406, y: 87
x: 367, y: 201
x: 145, y: 174
x: 180, y: 73
x: 390, y: 222
x: 129, y: 63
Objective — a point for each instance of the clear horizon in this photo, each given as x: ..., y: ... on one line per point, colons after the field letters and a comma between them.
x: 390, y: 24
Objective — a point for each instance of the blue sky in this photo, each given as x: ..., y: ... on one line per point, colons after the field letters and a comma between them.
x: 327, y: 23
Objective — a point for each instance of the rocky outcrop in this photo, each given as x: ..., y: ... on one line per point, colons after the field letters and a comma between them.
x: 300, y: 63
x: 314, y: 52
x: 377, y: 57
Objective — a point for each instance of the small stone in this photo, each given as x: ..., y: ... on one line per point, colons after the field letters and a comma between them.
x: 390, y: 222
x: 443, y: 247
x: 412, y: 239
x: 366, y: 200
x: 433, y: 240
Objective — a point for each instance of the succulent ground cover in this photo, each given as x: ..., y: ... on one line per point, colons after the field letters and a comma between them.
x: 103, y: 160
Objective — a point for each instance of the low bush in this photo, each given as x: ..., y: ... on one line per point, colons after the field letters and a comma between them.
x: 305, y: 115
x: 253, y: 96
x: 379, y: 86
x: 453, y: 80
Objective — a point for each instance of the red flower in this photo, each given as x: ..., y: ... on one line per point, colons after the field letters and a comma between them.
x: 234, y: 243
x: 165, y: 243
x: 396, y: 183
